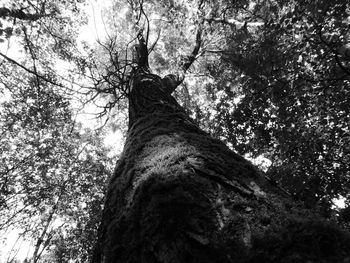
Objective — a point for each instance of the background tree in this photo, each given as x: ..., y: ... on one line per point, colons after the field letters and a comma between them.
x: 53, y: 169
x: 292, y: 78
x: 50, y: 168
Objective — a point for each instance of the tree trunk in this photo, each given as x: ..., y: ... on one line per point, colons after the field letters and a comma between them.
x: 179, y: 195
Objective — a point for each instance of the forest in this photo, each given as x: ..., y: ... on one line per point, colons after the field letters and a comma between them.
x: 168, y: 131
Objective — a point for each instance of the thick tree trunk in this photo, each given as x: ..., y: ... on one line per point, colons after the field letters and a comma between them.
x: 179, y: 195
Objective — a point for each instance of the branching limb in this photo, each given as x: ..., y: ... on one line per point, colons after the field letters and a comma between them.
x: 18, y: 13
x: 172, y: 81
x: 29, y: 70
x: 155, y: 43
x: 192, y: 57
x: 147, y: 20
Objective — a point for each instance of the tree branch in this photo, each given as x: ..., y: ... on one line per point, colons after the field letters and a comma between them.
x: 18, y: 13
x: 233, y: 22
x: 29, y: 44
x: 171, y: 81
x: 155, y: 43
x: 29, y: 70
x: 192, y: 57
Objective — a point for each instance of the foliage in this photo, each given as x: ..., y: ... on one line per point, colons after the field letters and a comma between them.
x: 53, y: 172
x: 271, y: 79
x: 292, y: 81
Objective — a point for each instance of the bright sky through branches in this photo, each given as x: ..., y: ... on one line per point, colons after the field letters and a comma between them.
x: 96, y: 27
x: 13, y: 245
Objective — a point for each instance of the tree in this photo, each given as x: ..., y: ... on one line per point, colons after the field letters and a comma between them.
x: 180, y: 195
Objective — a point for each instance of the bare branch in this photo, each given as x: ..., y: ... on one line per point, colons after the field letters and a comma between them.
x: 29, y: 70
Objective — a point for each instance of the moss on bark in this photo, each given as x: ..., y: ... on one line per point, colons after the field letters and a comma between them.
x: 179, y: 195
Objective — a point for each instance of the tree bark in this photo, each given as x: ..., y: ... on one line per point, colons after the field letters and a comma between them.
x: 179, y: 195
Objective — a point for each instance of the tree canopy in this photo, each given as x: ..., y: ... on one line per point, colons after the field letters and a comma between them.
x: 269, y: 78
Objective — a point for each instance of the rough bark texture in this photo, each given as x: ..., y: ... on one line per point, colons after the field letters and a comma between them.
x: 179, y: 195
